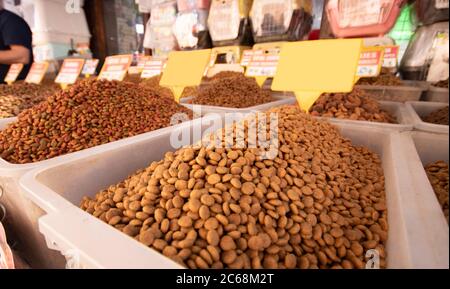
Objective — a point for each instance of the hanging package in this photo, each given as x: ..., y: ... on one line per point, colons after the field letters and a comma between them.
x: 159, y: 35
x: 426, y: 57
x: 280, y: 20
x: 229, y: 23
x: 432, y: 11
x: 190, y: 28
x: 352, y: 18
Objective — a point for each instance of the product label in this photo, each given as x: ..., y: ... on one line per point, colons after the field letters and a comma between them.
x: 391, y: 56
x: 13, y: 72
x: 246, y: 57
x: 115, y: 67
x: 90, y: 66
x: 438, y: 59
x: 152, y: 68
x: 224, y: 20
x: 263, y: 64
x: 37, y: 72
x: 354, y: 13
x: 370, y: 61
x: 70, y: 70
x: 441, y: 4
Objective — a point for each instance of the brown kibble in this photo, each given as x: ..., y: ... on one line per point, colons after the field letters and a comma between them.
x: 212, y: 238
x: 204, y: 212
x: 248, y: 188
x: 227, y: 243
x: 207, y: 200
x: 185, y: 221
x: 290, y: 261
x: 211, y: 224
x: 256, y: 243
x: 213, y: 179
x: 147, y: 237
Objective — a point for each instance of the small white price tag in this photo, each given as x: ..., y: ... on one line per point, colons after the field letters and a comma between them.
x: 70, y: 70
x: 13, y: 72
x: 246, y: 57
x: 369, y: 63
x: 115, y: 67
x: 262, y: 64
x: 152, y: 68
x: 37, y: 72
x: 90, y: 66
x: 390, y: 56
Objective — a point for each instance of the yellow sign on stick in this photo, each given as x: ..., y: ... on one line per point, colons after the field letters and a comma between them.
x: 184, y: 68
x: 310, y: 68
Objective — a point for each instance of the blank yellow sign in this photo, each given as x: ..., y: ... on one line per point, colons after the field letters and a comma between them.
x: 184, y: 68
x: 310, y: 68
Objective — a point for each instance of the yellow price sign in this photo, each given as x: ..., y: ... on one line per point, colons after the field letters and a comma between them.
x: 370, y: 62
x: 310, y: 68
x: 184, y: 68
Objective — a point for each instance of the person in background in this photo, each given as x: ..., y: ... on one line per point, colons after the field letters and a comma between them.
x: 15, y: 43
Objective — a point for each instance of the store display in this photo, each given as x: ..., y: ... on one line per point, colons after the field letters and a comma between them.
x: 426, y: 57
x: 21, y: 95
x: 229, y: 22
x: 90, y: 113
x: 219, y: 135
x: 357, y: 105
x: 236, y: 92
x: 439, y: 116
x: 228, y: 208
x: 431, y: 11
x: 280, y: 20
x: 437, y: 173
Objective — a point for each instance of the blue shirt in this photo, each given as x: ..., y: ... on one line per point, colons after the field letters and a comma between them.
x: 14, y: 31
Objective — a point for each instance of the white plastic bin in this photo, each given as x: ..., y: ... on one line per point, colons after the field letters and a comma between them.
x: 88, y: 242
x: 280, y: 99
x: 411, y: 91
x: 397, y: 109
x: 421, y: 149
x: 436, y: 94
x: 419, y: 109
x: 24, y: 213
